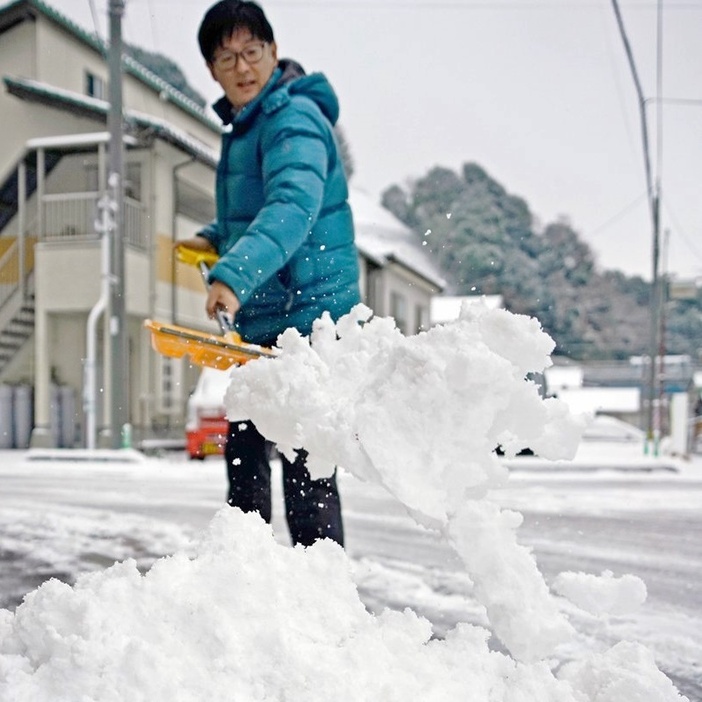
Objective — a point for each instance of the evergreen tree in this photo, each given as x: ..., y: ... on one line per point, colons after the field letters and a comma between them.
x: 485, y: 241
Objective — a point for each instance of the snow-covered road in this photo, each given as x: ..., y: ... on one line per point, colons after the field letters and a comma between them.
x: 61, y: 518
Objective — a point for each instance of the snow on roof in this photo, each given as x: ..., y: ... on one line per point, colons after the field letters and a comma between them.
x: 383, y: 238
x: 594, y: 400
x: 43, y: 92
x: 562, y: 377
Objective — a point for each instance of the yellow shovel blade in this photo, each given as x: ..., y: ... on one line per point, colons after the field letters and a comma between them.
x: 203, y: 348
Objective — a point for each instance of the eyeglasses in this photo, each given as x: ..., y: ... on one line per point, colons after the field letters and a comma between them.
x: 253, y: 53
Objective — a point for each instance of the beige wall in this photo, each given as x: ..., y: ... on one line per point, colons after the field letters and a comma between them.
x: 68, y: 278
x: 64, y: 61
x: 413, y: 290
x: 45, y: 52
x: 18, y: 51
x: 21, y: 121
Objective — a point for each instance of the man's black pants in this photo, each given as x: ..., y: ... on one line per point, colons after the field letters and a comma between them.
x: 312, y: 507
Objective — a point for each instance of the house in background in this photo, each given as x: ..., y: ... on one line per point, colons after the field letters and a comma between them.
x: 398, y: 279
x: 53, y: 159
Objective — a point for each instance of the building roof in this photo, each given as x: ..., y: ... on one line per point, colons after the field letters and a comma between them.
x: 601, y: 400
x: 384, y: 239
x: 13, y: 13
x: 86, y: 106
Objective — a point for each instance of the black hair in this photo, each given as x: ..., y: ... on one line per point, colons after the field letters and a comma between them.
x: 224, y: 18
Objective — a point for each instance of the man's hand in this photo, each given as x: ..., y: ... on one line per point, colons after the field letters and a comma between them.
x: 196, y: 243
x: 221, y: 297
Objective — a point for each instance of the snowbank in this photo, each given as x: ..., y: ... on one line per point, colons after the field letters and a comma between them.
x: 603, y: 594
x: 422, y: 415
x: 249, y: 619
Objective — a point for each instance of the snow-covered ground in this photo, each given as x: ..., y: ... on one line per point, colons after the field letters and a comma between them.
x: 238, y: 614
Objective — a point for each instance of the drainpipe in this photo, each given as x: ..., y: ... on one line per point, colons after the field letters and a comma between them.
x: 104, y: 225
x: 174, y: 213
x: 22, y: 223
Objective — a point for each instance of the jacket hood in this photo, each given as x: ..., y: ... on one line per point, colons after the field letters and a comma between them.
x: 288, y: 76
x: 317, y: 88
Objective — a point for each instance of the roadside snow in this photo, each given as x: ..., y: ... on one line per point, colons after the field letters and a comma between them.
x: 602, y: 594
x: 250, y: 619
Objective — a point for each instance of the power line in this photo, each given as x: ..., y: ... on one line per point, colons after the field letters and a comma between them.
x: 642, y: 107
x: 614, y: 218
x: 96, y: 23
x: 653, y: 409
x: 680, y: 231
x: 152, y: 26
x: 453, y: 5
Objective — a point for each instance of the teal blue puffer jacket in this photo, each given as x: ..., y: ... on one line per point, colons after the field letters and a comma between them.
x: 284, y: 230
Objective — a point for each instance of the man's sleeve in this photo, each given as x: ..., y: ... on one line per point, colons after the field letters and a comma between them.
x: 295, y: 160
x: 211, y: 233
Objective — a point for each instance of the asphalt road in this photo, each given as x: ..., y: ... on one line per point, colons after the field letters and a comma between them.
x: 60, y: 519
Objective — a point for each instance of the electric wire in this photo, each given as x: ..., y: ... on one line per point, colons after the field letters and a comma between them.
x: 617, y: 81
x: 152, y: 25
x: 616, y: 217
x: 456, y: 5
x: 682, y: 234
x: 96, y: 23
x: 642, y: 108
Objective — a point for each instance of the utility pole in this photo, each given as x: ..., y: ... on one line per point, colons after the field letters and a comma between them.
x: 119, y: 381
x: 654, y: 195
x: 654, y: 396
x: 657, y: 344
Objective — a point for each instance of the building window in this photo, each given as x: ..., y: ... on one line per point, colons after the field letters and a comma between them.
x: 95, y: 86
x: 398, y: 311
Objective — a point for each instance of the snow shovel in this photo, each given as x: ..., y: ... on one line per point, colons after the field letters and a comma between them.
x: 203, y: 348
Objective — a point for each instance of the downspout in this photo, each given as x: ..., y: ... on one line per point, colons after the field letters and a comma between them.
x: 89, y: 386
x: 174, y: 291
x: 22, y: 223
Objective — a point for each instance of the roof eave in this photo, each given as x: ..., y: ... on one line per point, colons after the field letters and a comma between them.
x: 92, y: 108
x: 16, y: 12
x: 436, y: 282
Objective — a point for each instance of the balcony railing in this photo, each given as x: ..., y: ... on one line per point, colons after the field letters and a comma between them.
x: 72, y: 216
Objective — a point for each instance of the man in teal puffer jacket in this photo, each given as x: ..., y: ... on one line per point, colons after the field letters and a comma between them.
x: 284, y: 233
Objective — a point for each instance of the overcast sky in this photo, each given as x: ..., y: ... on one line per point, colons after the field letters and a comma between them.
x: 538, y: 92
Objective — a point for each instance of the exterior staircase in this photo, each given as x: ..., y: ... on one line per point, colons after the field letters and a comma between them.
x: 17, y: 329
x: 9, y: 188
x: 17, y: 312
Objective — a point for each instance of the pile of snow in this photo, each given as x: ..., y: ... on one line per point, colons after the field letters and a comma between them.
x: 249, y: 619
x: 422, y: 415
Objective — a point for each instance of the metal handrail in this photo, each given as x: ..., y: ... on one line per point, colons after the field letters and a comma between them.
x: 71, y: 216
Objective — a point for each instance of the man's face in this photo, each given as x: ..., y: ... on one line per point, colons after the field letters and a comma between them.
x: 241, y: 79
